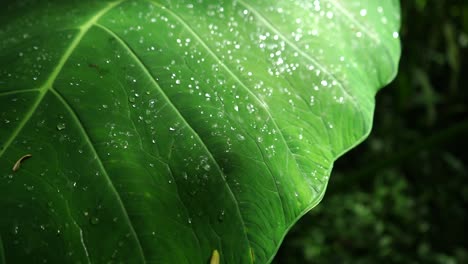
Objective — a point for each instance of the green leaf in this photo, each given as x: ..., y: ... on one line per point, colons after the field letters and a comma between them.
x: 162, y: 131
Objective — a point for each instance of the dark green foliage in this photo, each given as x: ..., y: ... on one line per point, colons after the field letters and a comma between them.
x: 401, y: 196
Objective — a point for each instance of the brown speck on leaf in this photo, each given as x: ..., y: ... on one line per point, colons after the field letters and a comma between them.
x: 92, y: 65
x: 18, y: 163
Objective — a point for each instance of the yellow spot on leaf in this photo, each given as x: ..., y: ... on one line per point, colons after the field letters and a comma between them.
x: 215, y: 257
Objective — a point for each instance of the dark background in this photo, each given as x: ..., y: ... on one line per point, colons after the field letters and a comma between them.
x: 402, y: 195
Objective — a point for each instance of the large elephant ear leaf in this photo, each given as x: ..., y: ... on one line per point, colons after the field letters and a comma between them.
x: 178, y: 131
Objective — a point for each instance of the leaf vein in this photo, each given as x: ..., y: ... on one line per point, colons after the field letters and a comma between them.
x: 100, y: 164
x: 305, y: 55
x: 296, y: 48
x: 234, y: 76
x: 352, y: 19
x: 142, y: 65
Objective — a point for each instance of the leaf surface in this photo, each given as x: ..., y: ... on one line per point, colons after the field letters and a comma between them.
x: 161, y: 131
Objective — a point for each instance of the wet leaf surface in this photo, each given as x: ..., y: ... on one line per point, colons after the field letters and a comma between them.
x: 162, y: 131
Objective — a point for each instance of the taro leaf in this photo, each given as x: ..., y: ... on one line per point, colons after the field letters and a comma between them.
x: 160, y: 131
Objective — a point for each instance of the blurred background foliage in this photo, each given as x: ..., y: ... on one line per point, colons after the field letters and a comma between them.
x: 402, y: 195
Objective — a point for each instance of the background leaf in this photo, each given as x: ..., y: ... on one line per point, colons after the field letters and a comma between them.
x: 161, y: 131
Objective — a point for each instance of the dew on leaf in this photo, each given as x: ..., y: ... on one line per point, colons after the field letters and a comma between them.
x: 221, y: 216
x: 61, y: 126
x: 15, y: 230
x: 363, y: 12
x: 94, y: 220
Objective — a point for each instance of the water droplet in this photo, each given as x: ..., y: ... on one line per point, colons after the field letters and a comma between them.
x: 94, y: 220
x: 61, y: 126
x: 206, y: 167
x: 221, y: 216
x: 131, y: 99
x: 15, y: 230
